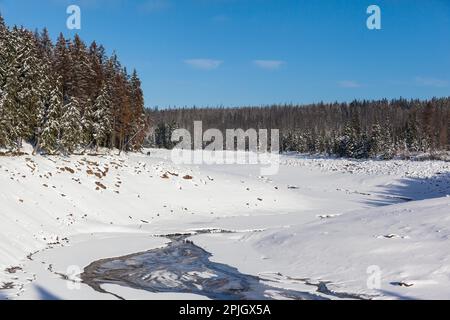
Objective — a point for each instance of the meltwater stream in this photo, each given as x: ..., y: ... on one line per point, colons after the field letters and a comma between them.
x: 183, y: 267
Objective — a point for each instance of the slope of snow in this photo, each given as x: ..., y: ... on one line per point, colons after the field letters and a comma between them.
x: 407, y: 243
x: 318, y: 219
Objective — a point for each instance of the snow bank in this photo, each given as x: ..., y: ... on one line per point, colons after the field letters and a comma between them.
x: 317, y: 219
x: 47, y: 200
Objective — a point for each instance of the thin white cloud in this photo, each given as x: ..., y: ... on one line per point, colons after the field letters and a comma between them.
x: 204, y: 64
x: 431, y: 82
x: 349, y: 84
x: 269, y: 64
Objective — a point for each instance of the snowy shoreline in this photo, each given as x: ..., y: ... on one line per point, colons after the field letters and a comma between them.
x: 321, y: 219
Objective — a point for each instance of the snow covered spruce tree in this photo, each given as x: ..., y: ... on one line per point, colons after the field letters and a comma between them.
x: 3, y: 51
x: 71, y: 128
x: 138, y: 122
x: 49, y: 129
x: 3, y: 137
x: 87, y: 123
x: 376, y: 143
x: 102, y: 117
x: 64, y: 96
x: 353, y: 143
x: 9, y: 117
x: 24, y: 86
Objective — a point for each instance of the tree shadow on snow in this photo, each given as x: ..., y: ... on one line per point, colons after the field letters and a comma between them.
x: 414, y: 189
x: 3, y: 297
x: 396, y: 295
x: 44, y: 294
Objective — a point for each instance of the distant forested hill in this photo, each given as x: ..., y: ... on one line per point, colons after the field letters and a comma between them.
x: 358, y: 130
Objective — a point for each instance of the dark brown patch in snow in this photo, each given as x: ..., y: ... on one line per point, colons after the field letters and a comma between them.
x: 70, y: 170
x: 100, y: 185
x: 13, y: 269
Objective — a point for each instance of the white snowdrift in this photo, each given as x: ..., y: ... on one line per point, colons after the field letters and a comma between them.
x: 321, y: 219
x: 408, y: 243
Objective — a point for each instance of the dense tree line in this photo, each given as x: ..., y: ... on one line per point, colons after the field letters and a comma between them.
x: 66, y: 96
x: 359, y: 129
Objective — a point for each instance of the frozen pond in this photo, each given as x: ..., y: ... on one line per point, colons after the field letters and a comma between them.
x: 183, y: 267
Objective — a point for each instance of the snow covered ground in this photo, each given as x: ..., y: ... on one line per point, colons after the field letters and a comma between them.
x: 341, y: 222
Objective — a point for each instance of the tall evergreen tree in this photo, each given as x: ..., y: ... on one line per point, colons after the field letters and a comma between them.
x: 49, y: 121
x: 71, y: 126
x: 138, y: 122
x: 82, y: 72
x: 3, y: 51
x: 88, y: 122
x: 102, y: 117
x: 62, y: 66
x: 44, y: 45
x: 10, y: 117
x: 5, y: 125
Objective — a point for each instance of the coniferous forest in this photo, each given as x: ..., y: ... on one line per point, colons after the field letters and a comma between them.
x: 360, y: 129
x: 66, y: 96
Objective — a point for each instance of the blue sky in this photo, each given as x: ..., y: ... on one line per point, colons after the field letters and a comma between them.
x: 251, y: 52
